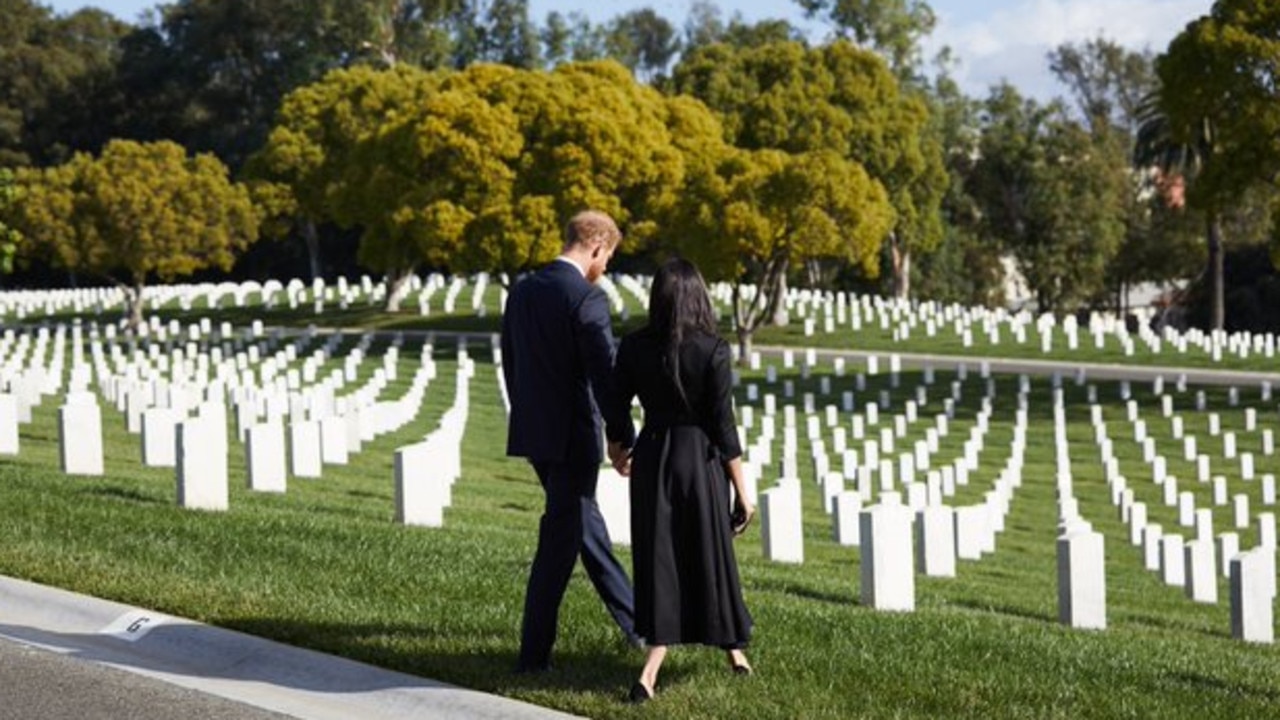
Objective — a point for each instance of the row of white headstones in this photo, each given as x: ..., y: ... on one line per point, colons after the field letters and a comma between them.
x: 827, y: 312
x: 830, y: 312
x: 321, y: 296
x: 175, y: 397
x: 909, y: 515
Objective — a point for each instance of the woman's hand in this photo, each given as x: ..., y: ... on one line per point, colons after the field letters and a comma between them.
x: 743, y: 512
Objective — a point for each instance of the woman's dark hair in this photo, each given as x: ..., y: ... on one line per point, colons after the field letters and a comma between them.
x: 678, y: 307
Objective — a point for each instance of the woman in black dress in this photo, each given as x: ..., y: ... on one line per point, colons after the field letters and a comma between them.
x: 685, y: 573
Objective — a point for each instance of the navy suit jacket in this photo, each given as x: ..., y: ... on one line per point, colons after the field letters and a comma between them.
x: 557, y: 359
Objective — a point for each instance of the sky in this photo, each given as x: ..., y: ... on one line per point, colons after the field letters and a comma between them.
x: 992, y: 39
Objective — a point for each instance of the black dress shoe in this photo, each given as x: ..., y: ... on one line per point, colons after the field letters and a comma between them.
x: 639, y: 694
x: 532, y: 669
x: 742, y: 670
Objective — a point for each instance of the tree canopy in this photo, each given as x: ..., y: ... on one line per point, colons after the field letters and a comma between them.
x: 137, y: 211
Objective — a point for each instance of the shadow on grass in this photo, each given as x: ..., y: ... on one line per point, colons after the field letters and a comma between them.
x: 792, y: 589
x: 1204, y: 683
x: 986, y: 606
x: 118, y: 493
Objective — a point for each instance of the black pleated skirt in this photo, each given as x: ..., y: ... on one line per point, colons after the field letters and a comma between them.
x: 686, y: 576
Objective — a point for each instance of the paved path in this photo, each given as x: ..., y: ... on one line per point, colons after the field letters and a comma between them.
x: 65, y: 655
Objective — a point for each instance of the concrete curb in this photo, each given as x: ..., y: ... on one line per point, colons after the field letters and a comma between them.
x: 285, y: 679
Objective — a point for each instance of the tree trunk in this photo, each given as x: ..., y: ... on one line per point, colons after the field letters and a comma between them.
x: 744, y: 346
x: 902, y: 276
x: 133, y: 307
x: 781, y: 317
x: 397, y: 283
x: 900, y: 261
x: 313, y: 246
x: 1218, y: 311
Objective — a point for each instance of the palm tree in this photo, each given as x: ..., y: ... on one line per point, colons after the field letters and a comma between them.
x: 1156, y: 147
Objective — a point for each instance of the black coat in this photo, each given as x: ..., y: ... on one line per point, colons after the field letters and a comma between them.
x: 686, y: 576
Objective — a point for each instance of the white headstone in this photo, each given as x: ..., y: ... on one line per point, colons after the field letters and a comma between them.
x: 304, y: 449
x: 1251, y: 595
x: 1172, y: 560
x: 936, y: 541
x: 781, y: 523
x: 159, y: 437
x: 1201, y: 571
x: 888, y: 574
x: 202, y: 464
x: 8, y: 424
x: 848, y: 505
x: 1082, y: 581
x: 613, y: 496
x: 80, y: 435
x: 333, y: 440
x: 264, y: 452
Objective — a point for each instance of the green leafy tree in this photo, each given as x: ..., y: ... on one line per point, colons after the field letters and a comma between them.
x: 427, y: 180
x: 1216, y: 116
x: 51, y: 70
x: 496, y: 31
x: 1108, y: 84
x: 1051, y: 199
x: 305, y: 167
x: 1107, y: 81
x: 840, y: 98
x: 965, y: 266
x: 472, y: 170
x: 136, y: 212
x: 748, y: 216
x: 592, y: 137
x: 9, y: 237
x: 644, y: 41
x: 893, y: 28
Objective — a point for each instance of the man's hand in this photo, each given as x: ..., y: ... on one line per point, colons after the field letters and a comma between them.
x: 620, y: 457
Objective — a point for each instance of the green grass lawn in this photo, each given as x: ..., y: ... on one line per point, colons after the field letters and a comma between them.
x: 324, y: 566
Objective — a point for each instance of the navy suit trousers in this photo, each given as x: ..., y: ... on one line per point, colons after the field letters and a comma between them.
x: 571, y: 526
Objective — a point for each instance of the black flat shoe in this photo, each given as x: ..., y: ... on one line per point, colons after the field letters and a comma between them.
x: 742, y: 670
x: 639, y: 694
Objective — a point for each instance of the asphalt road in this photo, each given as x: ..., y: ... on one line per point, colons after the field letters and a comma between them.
x: 41, y: 684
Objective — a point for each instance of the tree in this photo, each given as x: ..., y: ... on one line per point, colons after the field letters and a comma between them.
x: 136, y: 212
x: 704, y: 25
x: 305, y: 166
x: 1049, y: 197
x: 893, y: 28
x: 644, y: 41
x: 1217, y: 101
x: 496, y: 31
x: 965, y: 266
x: 1108, y: 84
x: 761, y: 211
x: 424, y: 181
x: 50, y: 70
x: 837, y: 97
x: 472, y: 170
x: 9, y: 237
x: 1107, y: 81
x: 592, y: 137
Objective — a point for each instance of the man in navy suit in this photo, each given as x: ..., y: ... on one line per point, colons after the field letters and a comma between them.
x: 557, y: 358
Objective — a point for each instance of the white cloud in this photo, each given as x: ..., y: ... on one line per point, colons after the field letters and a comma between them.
x: 1012, y: 42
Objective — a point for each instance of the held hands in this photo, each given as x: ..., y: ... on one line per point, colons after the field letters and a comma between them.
x: 620, y: 458
x: 743, y: 512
